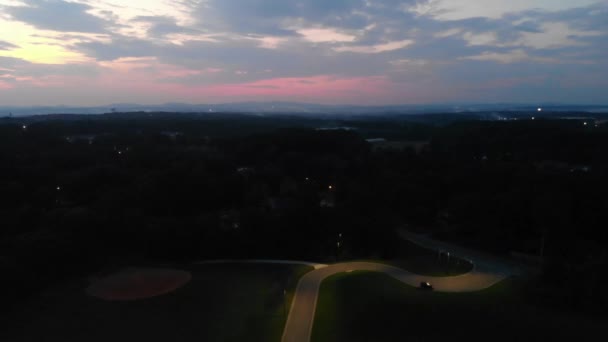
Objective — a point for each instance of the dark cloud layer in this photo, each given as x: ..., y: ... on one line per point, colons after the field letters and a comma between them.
x: 57, y: 15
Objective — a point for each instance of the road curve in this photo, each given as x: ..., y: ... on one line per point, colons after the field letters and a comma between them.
x: 301, y: 316
x: 486, y: 272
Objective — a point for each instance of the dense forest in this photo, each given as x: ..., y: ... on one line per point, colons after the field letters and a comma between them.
x: 78, y: 193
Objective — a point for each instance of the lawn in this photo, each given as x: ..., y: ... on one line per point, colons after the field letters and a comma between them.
x: 364, y: 306
x: 227, y: 302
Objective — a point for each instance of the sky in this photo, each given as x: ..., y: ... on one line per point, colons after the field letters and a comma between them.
x: 361, y: 52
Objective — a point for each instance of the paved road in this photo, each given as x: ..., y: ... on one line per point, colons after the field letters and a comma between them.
x: 483, y: 262
x: 486, y: 272
x: 316, y: 266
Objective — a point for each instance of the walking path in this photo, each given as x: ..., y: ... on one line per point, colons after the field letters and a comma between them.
x: 316, y: 266
x: 487, y: 271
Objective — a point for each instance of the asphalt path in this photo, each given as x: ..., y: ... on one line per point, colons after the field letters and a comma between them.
x: 487, y: 271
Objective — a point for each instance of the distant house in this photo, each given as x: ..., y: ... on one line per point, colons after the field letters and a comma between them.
x: 580, y: 168
x: 559, y: 166
x: 230, y: 220
x: 376, y: 140
x: 245, y: 171
x: 87, y: 138
x: 328, y: 199
x: 172, y: 135
x: 417, y: 146
x: 336, y: 129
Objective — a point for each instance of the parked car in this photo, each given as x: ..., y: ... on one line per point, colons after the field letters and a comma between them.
x: 426, y: 286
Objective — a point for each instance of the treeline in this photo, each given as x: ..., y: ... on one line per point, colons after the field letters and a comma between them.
x: 79, y: 194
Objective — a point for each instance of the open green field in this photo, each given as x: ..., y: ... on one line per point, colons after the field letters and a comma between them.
x: 364, y: 306
x: 223, y: 302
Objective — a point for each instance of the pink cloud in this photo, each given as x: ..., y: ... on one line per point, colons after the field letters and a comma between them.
x: 4, y: 85
x: 323, y: 88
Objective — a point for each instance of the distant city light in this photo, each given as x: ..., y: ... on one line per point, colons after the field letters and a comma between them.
x: 533, y: 118
x: 539, y: 109
x: 331, y: 187
x: 58, y: 188
x: 586, y: 123
x: 24, y: 127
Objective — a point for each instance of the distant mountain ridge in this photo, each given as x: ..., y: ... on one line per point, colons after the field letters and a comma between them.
x: 296, y: 108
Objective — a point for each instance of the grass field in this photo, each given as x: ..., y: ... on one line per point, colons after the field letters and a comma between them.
x: 365, y: 306
x: 227, y: 302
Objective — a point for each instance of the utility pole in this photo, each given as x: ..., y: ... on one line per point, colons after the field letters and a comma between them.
x: 284, y: 302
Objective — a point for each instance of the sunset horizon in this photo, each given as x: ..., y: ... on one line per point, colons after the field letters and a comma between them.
x: 385, y: 52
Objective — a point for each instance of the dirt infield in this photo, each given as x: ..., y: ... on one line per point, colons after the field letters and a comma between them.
x: 137, y: 283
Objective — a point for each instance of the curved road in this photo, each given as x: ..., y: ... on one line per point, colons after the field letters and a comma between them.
x: 486, y: 272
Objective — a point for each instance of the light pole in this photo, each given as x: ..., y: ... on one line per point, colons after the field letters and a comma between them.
x: 284, y: 302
